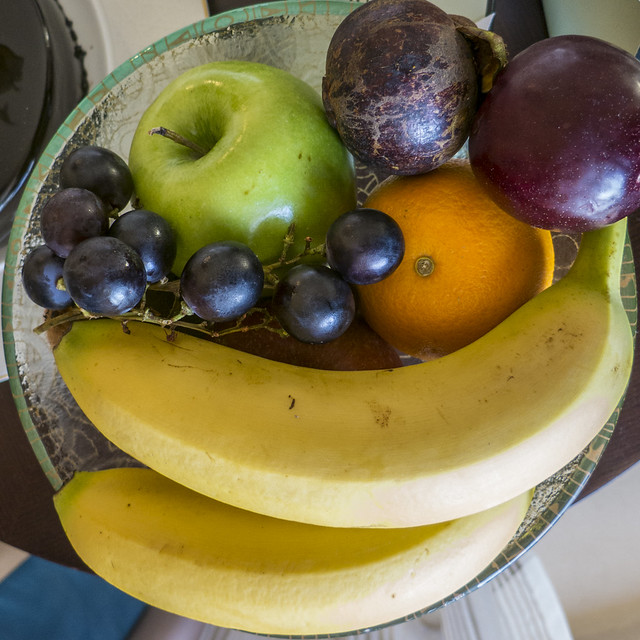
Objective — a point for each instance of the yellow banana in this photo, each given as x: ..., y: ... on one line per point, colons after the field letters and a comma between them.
x: 403, y: 447
x: 181, y: 551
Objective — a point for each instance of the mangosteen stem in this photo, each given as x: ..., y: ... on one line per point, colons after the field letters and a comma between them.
x: 180, y: 139
x: 489, y: 50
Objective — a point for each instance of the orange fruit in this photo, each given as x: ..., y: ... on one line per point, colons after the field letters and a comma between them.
x: 467, y: 264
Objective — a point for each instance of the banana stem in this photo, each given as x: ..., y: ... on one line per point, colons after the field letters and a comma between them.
x: 600, y: 257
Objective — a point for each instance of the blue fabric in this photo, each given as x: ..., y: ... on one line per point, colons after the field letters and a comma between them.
x: 43, y: 600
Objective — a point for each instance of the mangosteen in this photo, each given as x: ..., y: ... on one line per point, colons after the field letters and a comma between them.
x: 403, y: 80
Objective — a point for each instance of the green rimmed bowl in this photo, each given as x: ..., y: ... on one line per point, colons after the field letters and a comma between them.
x: 289, y: 35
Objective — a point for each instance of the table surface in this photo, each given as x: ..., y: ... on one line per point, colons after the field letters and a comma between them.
x: 27, y: 518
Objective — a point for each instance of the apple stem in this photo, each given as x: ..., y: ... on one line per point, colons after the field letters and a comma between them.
x: 180, y: 139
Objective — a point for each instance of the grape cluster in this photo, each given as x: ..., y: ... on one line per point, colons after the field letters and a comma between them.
x: 106, y: 268
x: 315, y: 303
x: 103, y: 269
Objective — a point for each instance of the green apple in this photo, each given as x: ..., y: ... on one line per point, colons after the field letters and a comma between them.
x: 268, y: 158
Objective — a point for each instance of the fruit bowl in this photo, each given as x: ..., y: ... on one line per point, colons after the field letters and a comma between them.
x: 293, y: 36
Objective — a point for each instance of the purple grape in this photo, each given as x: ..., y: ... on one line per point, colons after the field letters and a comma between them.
x: 221, y: 281
x: 364, y: 246
x: 151, y: 236
x: 105, y: 276
x: 314, y: 304
x: 101, y: 171
x: 41, y: 271
x: 70, y: 216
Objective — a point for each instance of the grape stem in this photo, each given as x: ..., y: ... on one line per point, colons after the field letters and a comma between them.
x: 142, y: 313
x: 271, y: 279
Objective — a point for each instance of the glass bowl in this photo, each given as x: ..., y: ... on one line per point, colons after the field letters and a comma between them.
x: 290, y: 35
